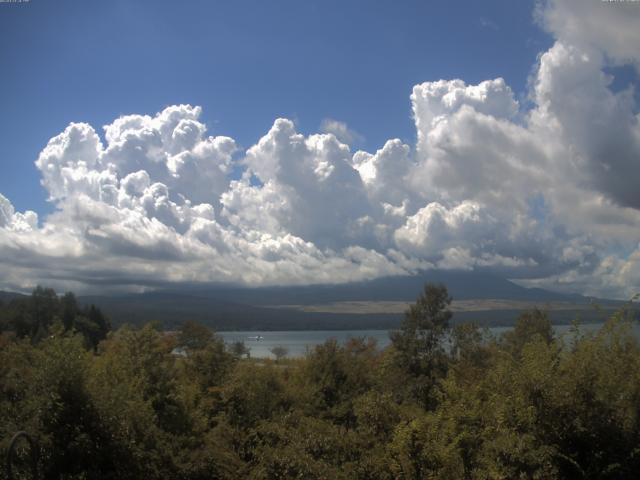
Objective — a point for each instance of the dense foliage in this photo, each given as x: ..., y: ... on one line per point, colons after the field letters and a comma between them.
x: 45, y: 313
x: 438, y: 403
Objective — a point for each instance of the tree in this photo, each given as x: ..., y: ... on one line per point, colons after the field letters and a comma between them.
x: 239, y: 349
x: 418, y: 344
x: 93, y: 325
x: 471, y: 351
x: 532, y: 323
x: 333, y: 376
x: 279, y: 352
x: 69, y: 310
x: 251, y: 394
x: 19, y: 319
x: 43, y: 308
x: 210, y: 365
x: 194, y: 336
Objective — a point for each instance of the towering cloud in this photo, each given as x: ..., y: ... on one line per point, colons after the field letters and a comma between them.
x: 546, y: 194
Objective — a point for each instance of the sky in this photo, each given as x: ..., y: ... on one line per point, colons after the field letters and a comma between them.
x: 155, y: 143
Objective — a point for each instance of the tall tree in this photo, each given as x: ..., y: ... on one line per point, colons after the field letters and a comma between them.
x: 418, y: 344
x: 194, y: 335
x: 44, y: 307
x: 532, y: 323
x: 69, y: 310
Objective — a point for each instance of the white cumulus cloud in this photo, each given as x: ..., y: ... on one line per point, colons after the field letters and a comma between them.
x: 546, y: 193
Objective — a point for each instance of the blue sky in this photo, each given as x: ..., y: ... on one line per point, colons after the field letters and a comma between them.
x: 245, y: 62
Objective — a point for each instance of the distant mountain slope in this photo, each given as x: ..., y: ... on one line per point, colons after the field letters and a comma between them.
x: 8, y: 296
x: 461, y: 286
x: 172, y: 309
x: 237, y: 308
x: 485, y: 298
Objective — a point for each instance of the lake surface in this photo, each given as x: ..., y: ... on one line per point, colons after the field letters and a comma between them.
x: 298, y: 342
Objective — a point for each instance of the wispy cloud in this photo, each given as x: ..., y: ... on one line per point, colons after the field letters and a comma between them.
x: 486, y: 22
x: 341, y: 131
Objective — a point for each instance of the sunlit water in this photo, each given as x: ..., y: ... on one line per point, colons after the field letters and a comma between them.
x: 298, y: 342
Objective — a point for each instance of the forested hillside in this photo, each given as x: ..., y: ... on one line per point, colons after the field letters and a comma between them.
x: 124, y: 405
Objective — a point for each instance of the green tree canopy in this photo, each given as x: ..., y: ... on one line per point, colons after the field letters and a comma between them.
x: 418, y: 344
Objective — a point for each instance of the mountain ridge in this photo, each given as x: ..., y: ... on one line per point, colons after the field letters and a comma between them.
x: 226, y: 307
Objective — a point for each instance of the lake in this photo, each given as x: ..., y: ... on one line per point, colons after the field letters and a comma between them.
x: 297, y: 342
